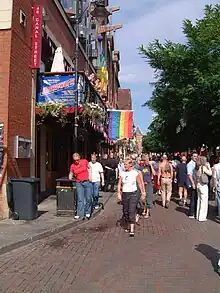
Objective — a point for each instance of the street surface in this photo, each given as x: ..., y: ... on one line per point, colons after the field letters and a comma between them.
x: 169, y: 254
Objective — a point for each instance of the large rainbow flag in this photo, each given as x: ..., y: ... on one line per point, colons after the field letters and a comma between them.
x: 120, y: 124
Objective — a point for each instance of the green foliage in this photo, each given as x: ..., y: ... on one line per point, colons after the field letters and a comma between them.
x: 54, y: 110
x: 94, y: 112
x: 186, y: 94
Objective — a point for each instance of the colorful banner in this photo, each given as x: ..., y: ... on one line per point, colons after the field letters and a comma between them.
x: 36, y: 37
x: 57, y: 88
x: 120, y: 124
x: 102, y: 75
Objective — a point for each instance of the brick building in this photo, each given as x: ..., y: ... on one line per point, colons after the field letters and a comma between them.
x: 139, y: 140
x: 124, y: 99
x: 18, y: 89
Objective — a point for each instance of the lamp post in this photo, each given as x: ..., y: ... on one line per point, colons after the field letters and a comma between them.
x: 100, y: 13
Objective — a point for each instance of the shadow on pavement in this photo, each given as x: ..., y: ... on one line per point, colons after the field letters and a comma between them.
x: 211, y: 253
x: 182, y: 210
x: 212, y: 213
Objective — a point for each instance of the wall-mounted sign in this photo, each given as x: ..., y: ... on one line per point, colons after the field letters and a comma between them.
x: 1, y: 146
x: 22, y: 147
x: 105, y: 29
x: 57, y: 88
x: 36, y: 37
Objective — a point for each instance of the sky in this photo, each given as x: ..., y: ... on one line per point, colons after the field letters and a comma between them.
x: 143, y: 21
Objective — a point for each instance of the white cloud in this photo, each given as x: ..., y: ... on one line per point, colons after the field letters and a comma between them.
x: 136, y: 73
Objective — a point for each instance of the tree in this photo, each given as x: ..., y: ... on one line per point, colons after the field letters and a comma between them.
x: 186, y: 94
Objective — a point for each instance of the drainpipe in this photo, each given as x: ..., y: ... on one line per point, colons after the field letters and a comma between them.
x: 33, y: 123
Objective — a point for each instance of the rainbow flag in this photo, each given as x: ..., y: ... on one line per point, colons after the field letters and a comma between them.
x: 120, y: 124
x: 102, y: 74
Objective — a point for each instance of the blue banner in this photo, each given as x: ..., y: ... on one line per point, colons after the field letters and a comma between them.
x: 57, y: 88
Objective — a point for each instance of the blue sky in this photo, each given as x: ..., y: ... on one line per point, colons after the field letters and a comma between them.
x: 144, y: 21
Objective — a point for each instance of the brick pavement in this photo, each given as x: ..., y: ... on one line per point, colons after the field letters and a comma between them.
x: 15, y: 234
x: 169, y: 254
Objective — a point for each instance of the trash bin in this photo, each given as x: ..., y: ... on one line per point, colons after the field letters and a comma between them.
x: 66, y: 197
x: 24, y: 197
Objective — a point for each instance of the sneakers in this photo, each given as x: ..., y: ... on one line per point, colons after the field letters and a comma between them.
x: 191, y: 217
x: 96, y: 207
x: 76, y: 217
x: 88, y: 216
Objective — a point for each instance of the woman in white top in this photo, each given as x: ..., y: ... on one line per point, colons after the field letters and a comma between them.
x: 127, y: 183
x: 202, y: 171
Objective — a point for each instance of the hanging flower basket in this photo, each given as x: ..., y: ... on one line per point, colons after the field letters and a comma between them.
x: 94, y: 112
x: 54, y: 110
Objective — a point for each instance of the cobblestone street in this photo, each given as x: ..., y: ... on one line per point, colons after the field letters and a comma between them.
x: 170, y: 253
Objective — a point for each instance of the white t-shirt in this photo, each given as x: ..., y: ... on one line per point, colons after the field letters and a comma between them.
x: 96, y: 170
x: 129, y: 181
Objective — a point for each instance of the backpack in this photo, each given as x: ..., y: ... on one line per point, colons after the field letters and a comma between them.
x: 204, y: 178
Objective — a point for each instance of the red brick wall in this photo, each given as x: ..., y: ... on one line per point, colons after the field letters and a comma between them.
x: 20, y: 86
x: 5, y: 47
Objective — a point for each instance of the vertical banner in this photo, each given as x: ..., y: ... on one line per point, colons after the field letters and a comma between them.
x: 36, y: 37
x: 1, y: 147
x: 120, y: 124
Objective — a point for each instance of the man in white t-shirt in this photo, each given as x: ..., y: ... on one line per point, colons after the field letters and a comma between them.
x: 216, y: 183
x: 216, y: 189
x: 97, y: 178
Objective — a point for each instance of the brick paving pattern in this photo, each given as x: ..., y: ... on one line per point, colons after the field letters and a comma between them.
x: 169, y: 254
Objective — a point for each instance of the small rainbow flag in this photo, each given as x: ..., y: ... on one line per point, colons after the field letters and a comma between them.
x: 120, y: 124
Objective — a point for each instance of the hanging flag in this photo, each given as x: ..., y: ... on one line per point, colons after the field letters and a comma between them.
x: 120, y: 124
x: 102, y: 74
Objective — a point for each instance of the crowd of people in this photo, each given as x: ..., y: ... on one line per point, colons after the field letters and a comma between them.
x: 140, y: 177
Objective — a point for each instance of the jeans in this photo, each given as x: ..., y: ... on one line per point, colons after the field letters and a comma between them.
x: 149, y: 192
x: 95, y: 193
x: 218, y: 201
x: 193, y: 201
x: 129, y: 203
x: 84, y: 198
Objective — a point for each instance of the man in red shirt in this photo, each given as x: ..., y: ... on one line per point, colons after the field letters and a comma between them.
x: 80, y: 169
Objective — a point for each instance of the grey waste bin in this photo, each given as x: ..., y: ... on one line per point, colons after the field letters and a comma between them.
x: 24, y: 194
x: 66, y: 197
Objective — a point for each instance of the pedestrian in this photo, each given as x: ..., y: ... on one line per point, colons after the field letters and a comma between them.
x: 103, y: 162
x: 156, y: 165
x: 110, y: 167
x: 121, y: 166
x: 202, y: 171
x: 97, y: 179
x: 216, y: 184
x: 181, y: 177
x: 80, y: 169
x: 127, y: 184
x: 165, y: 176
x: 192, y: 192
x: 148, y: 172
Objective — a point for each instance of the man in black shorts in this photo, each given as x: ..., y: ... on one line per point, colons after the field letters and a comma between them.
x: 181, y: 176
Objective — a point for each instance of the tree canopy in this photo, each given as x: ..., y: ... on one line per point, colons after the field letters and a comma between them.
x: 186, y: 91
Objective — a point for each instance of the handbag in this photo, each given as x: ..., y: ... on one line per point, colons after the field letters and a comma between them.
x: 204, y: 178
